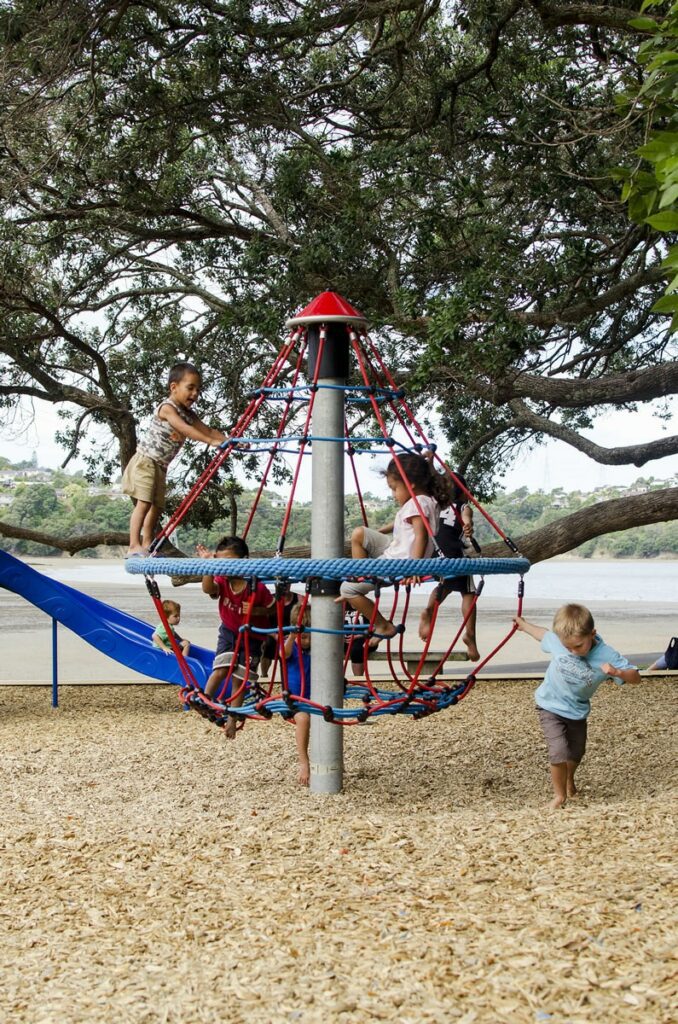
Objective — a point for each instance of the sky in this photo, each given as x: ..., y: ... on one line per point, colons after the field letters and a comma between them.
x: 546, y: 468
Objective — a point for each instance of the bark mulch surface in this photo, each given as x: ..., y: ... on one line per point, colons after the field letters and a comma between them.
x: 152, y: 872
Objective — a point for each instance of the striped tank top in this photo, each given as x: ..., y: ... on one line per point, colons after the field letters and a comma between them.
x: 161, y: 442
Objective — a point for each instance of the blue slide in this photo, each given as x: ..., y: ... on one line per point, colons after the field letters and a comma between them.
x: 120, y: 636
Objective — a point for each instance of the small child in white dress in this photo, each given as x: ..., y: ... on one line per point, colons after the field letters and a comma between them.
x: 413, y: 529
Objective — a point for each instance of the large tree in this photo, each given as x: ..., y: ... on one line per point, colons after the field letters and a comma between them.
x: 177, y: 178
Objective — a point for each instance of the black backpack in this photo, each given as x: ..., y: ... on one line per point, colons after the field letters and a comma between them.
x: 671, y: 653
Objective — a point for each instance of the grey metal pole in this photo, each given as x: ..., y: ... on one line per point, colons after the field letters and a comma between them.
x: 327, y: 317
x: 327, y: 541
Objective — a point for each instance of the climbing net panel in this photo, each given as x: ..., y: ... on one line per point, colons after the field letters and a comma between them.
x: 374, y: 399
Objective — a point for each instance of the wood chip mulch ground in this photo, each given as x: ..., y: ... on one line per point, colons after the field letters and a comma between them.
x: 152, y: 872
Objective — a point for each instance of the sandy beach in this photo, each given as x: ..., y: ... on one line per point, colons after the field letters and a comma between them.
x: 152, y: 872
x: 639, y: 630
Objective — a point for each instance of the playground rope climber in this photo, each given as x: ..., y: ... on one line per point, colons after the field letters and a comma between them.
x: 321, y: 338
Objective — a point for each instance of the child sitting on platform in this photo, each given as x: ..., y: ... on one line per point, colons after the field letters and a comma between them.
x: 298, y: 664
x: 455, y: 541
x: 172, y: 610
x: 413, y: 529
x: 581, y: 662
x: 234, y: 595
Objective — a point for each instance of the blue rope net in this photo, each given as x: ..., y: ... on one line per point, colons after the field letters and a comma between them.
x: 418, y: 699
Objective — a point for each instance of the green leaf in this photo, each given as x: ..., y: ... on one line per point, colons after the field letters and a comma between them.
x: 669, y: 196
x: 666, y: 57
x: 644, y: 24
x: 667, y: 221
x: 667, y: 304
x: 640, y: 205
x: 660, y: 146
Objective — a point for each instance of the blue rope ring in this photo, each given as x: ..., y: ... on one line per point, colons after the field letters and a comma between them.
x: 294, y: 570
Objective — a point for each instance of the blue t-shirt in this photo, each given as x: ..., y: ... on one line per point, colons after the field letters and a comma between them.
x: 294, y: 680
x: 571, y: 679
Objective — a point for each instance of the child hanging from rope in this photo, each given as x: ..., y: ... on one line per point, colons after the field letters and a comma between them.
x: 413, y: 529
x: 581, y: 662
x: 454, y: 540
x: 233, y: 595
x: 298, y: 664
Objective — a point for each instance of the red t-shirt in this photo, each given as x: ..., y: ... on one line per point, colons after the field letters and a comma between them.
x: 233, y: 607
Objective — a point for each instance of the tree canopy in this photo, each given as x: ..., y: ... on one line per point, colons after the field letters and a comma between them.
x: 176, y: 179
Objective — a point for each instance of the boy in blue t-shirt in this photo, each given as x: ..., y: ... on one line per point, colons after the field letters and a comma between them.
x: 581, y: 662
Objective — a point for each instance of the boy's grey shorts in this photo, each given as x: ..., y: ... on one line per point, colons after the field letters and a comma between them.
x: 223, y: 657
x: 565, y: 737
x: 375, y: 544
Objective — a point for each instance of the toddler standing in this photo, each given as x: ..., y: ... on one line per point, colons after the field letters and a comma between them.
x: 581, y: 662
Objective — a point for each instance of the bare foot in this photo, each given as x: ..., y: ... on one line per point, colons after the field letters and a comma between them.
x: 572, y: 792
x: 229, y: 728
x: 387, y: 631
x: 473, y: 652
x: 557, y: 803
x: 304, y: 773
x: 425, y: 624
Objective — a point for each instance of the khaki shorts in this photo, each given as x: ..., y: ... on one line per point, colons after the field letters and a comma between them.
x: 375, y: 544
x: 145, y: 480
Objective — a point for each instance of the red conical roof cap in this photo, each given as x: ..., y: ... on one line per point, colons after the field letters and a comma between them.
x: 328, y: 306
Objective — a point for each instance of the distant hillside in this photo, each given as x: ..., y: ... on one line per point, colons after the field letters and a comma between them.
x: 61, y: 503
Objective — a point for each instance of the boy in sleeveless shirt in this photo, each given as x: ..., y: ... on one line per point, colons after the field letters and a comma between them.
x: 145, y: 476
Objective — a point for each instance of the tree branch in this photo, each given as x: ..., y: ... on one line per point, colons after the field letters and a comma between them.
x: 612, y: 516
x: 636, y: 454
x: 71, y: 544
x: 594, y: 304
x: 599, y: 16
x: 616, y: 389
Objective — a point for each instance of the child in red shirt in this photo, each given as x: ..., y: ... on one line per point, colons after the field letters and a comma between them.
x: 234, y: 596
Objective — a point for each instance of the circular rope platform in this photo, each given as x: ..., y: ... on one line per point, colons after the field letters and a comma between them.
x: 296, y: 570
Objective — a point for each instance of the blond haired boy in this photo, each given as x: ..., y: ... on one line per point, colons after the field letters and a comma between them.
x: 581, y: 662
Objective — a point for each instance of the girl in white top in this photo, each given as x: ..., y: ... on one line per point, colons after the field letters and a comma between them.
x: 415, y: 525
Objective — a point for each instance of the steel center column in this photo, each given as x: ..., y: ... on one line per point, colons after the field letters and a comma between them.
x: 327, y: 541
x: 328, y: 320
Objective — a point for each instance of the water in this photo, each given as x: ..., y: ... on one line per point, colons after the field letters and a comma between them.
x: 585, y: 581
